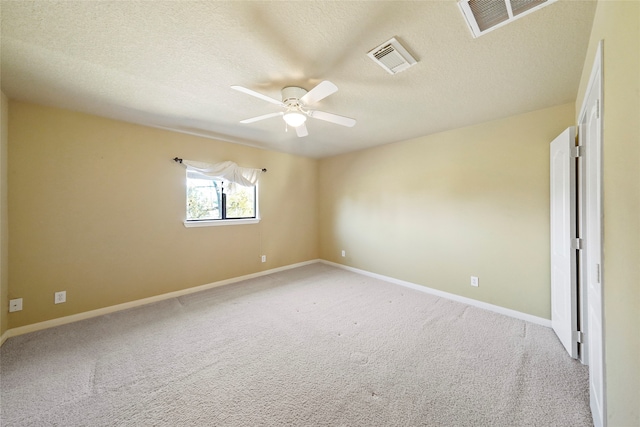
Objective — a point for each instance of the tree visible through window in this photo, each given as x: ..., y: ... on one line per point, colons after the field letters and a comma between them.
x: 209, y: 199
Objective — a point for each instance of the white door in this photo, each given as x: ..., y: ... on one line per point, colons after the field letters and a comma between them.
x: 564, y: 301
x: 591, y: 139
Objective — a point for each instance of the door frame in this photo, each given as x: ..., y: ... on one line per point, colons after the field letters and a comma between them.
x: 596, y: 82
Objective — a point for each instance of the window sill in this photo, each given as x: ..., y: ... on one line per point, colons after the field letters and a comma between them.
x: 219, y: 222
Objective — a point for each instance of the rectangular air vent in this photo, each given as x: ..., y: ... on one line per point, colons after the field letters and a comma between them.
x: 392, y: 56
x: 483, y: 16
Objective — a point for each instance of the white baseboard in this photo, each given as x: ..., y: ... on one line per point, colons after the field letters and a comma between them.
x: 131, y: 304
x: 4, y: 337
x: 486, y: 306
x: 124, y: 306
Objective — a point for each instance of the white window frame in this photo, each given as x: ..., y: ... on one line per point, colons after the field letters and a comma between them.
x: 222, y: 222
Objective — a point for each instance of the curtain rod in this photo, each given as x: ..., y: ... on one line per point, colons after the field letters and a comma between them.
x: 179, y: 160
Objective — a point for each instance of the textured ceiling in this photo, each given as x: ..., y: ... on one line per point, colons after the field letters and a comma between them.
x: 171, y: 64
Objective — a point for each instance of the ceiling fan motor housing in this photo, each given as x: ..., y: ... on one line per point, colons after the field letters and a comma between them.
x: 291, y: 96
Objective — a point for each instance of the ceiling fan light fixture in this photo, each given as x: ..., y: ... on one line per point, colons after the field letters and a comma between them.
x: 294, y: 118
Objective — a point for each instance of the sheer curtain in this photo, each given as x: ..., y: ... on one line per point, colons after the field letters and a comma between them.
x: 229, y: 171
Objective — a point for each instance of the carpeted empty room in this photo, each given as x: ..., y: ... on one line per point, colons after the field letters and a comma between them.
x: 310, y: 346
x: 240, y: 213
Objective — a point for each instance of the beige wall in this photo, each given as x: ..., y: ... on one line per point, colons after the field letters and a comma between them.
x: 97, y: 207
x: 4, y: 224
x: 617, y: 24
x: 438, y: 209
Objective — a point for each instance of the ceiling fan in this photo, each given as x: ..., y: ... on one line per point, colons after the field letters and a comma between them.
x: 296, y: 101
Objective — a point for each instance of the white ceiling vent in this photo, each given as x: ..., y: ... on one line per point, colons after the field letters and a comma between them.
x: 483, y: 16
x: 392, y: 56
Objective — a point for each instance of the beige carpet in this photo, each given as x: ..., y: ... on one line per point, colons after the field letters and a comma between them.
x: 313, y: 346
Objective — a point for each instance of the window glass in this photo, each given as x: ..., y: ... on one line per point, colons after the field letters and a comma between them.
x: 241, y: 202
x: 209, y: 199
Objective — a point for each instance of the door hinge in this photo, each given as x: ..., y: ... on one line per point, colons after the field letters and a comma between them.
x: 577, y: 243
x: 597, y: 108
x: 577, y: 151
x: 598, y: 272
x: 578, y: 336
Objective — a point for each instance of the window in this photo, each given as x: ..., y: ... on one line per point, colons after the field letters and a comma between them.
x: 215, y: 199
x: 220, y: 193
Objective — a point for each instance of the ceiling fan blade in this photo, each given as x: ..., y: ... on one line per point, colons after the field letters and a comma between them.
x: 257, y: 95
x: 302, y: 130
x: 333, y: 118
x: 321, y: 91
x: 262, y: 117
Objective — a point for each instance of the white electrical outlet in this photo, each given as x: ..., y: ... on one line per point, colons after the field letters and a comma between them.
x: 15, y: 305
x: 474, y: 281
x: 344, y: 253
x: 264, y: 258
x: 60, y: 297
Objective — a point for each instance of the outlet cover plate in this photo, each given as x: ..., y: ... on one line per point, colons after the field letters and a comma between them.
x: 15, y: 305
x: 264, y: 258
x: 60, y: 297
x: 474, y: 281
